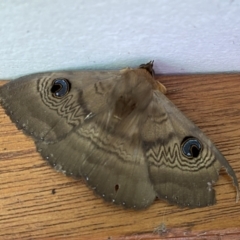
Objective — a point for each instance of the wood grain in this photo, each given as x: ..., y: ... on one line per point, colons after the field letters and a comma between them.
x: 38, y: 203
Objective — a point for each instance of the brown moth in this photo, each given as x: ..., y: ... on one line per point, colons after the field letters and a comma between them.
x: 118, y: 131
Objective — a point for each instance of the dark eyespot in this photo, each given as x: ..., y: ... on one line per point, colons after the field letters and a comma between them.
x: 60, y: 87
x: 116, y: 187
x: 191, y: 147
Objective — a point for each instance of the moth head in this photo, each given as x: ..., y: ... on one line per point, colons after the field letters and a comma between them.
x: 157, y: 85
x: 149, y: 67
x: 60, y: 87
x: 191, y: 147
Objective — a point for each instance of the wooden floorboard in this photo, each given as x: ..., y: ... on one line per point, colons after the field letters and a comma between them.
x: 29, y: 208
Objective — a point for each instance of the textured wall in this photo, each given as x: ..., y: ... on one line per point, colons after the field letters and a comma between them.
x: 181, y: 36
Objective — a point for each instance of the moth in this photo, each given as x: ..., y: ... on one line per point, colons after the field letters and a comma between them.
x: 119, y: 132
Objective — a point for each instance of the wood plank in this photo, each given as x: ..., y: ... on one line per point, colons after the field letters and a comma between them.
x: 31, y: 210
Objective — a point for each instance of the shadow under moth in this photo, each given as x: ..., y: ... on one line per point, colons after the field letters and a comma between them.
x: 118, y: 131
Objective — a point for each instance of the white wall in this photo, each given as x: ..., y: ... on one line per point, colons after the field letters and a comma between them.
x: 182, y: 36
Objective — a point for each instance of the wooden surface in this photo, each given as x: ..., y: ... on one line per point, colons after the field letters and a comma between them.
x: 38, y: 203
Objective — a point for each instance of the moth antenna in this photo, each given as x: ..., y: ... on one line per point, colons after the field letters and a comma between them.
x: 149, y: 67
